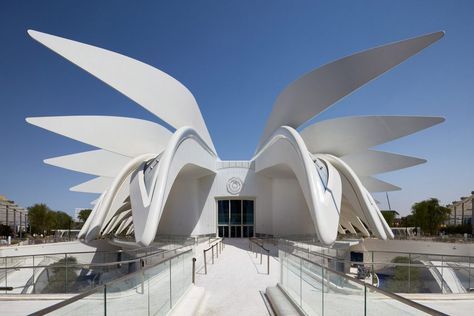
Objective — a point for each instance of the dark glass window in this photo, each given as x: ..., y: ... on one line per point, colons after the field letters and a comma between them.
x: 235, y: 231
x: 247, y: 212
x: 235, y: 212
x: 248, y: 231
x: 223, y: 212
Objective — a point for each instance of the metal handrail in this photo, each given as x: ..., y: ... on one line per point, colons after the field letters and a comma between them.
x: 89, y: 252
x: 397, y: 297
x: 76, y: 265
x: 401, y: 264
x: 218, y: 243
x: 263, y: 248
x: 103, y: 287
x: 303, y: 240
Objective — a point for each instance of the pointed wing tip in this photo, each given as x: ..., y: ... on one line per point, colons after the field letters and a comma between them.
x: 441, y: 33
x: 34, y: 34
x: 435, y: 36
x: 439, y: 119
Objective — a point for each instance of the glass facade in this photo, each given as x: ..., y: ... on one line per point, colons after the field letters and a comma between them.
x: 235, y: 218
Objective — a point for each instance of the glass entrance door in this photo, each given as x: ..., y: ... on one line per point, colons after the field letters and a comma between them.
x: 235, y: 218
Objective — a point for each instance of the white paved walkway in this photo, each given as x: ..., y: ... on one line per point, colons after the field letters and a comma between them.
x: 234, y: 282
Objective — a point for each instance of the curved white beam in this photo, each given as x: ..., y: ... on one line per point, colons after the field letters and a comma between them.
x: 357, y: 196
x: 124, y: 224
x: 349, y: 215
x: 346, y: 135
x: 324, y: 201
x: 151, y: 88
x: 96, y: 185
x: 85, y: 227
x: 317, y: 90
x: 113, y: 196
x: 96, y: 162
x: 371, y: 162
x: 376, y: 185
x: 117, y: 220
x: 185, y: 148
x: 122, y: 135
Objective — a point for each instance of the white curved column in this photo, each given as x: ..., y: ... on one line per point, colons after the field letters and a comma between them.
x: 287, y: 147
x: 110, y: 196
x: 186, y: 148
x: 85, y: 227
x: 358, y: 197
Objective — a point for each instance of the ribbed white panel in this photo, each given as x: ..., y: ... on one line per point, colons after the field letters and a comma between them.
x: 371, y: 162
x: 122, y: 135
x: 317, y: 90
x: 346, y: 135
x: 375, y: 185
x: 151, y: 88
x: 96, y: 185
x: 97, y: 162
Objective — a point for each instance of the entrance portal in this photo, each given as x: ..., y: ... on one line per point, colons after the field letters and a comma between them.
x: 235, y: 218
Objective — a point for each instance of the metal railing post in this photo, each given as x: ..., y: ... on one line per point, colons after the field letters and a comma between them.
x: 268, y: 262
x: 194, y: 270
x: 217, y: 250
x: 6, y: 274
x: 469, y: 273
x: 212, y: 250
x: 261, y: 257
x: 205, y: 263
x: 365, y: 299
x: 442, y: 274
x: 34, y: 286
x: 65, y: 283
x: 105, y: 299
x: 409, y: 272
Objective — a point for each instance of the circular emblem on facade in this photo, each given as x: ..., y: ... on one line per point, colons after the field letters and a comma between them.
x: 234, y: 185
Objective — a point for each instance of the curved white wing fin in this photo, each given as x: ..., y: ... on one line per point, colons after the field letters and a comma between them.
x: 371, y: 162
x: 376, y: 185
x: 96, y: 185
x: 126, y: 136
x: 96, y: 162
x: 151, y: 88
x: 317, y: 90
x: 346, y: 135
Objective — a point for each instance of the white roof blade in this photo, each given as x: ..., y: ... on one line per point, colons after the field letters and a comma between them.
x: 122, y: 135
x: 317, y: 90
x: 346, y: 135
x: 371, y: 162
x: 96, y: 185
x: 376, y: 185
x: 151, y: 88
x: 96, y: 162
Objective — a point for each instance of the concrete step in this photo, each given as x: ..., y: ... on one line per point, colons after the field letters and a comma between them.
x: 281, y: 305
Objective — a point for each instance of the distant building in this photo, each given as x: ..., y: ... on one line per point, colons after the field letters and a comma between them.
x: 13, y: 215
x: 461, y: 211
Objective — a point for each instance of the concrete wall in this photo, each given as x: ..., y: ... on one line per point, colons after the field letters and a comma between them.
x: 280, y: 207
x: 290, y: 212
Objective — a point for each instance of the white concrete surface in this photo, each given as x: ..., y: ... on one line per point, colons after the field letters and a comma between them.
x: 234, y: 282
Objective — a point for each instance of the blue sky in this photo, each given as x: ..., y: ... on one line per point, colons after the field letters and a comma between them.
x: 235, y: 57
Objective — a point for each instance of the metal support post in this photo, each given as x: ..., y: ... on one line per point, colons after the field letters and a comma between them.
x: 268, y: 262
x: 205, y: 263
x: 194, y: 270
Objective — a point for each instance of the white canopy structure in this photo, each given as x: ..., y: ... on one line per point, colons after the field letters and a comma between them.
x: 154, y: 181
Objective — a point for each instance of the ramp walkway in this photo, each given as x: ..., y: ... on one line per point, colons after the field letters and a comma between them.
x: 235, y: 282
